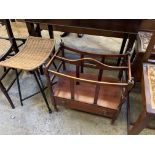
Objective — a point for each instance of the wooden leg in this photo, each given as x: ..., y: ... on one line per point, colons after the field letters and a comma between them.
x: 140, y: 124
x: 50, y: 31
x: 122, y: 47
x: 115, y: 117
x: 38, y: 31
x: 132, y: 38
x: 116, y: 114
x: 11, y: 36
x: 30, y: 28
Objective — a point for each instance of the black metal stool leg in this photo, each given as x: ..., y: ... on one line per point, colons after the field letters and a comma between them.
x: 42, y: 92
x: 55, y: 66
x: 41, y: 70
x: 42, y: 86
x: 7, y: 95
x: 4, y: 69
x: 19, y: 89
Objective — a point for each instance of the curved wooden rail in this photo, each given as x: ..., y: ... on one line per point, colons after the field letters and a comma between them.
x: 87, y: 80
x: 93, y: 54
x: 97, y: 63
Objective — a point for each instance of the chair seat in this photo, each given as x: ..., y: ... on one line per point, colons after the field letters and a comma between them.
x: 34, y: 53
x: 151, y: 82
x: 4, y: 47
x: 109, y: 96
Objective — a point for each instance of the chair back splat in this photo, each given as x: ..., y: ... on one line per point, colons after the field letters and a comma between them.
x: 74, y: 85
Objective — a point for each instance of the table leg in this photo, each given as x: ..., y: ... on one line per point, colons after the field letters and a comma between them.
x: 51, y: 34
x: 140, y: 124
x: 50, y: 30
x: 30, y: 28
x: 132, y: 38
x: 38, y: 31
x: 125, y: 37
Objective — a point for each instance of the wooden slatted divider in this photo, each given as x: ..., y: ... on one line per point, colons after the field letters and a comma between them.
x: 77, y: 73
x: 82, y: 56
x: 95, y: 55
x: 63, y: 55
x: 72, y: 88
x: 96, y: 64
x: 97, y: 89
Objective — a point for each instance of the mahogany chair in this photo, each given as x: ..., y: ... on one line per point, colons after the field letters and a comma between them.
x: 143, y: 48
x: 148, y: 101
x: 96, y: 94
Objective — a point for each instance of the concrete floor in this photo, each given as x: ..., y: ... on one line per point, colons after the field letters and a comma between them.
x: 33, y: 117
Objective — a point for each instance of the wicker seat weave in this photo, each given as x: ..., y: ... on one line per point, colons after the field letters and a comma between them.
x: 34, y: 53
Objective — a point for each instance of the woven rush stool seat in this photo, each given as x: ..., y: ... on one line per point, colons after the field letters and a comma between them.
x: 30, y: 58
x: 34, y: 53
x: 5, y: 45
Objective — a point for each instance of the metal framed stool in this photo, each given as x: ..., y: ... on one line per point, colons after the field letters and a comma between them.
x: 5, y: 50
x: 8, y: 48
x: 34, y: 54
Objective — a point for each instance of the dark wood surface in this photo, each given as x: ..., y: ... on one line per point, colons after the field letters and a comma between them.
x: 120, y: 25
x: 120, y: 28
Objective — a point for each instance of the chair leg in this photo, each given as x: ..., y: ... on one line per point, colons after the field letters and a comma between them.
x: 7, y: 95
x: 42, y: 91
x: 19, y: 89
